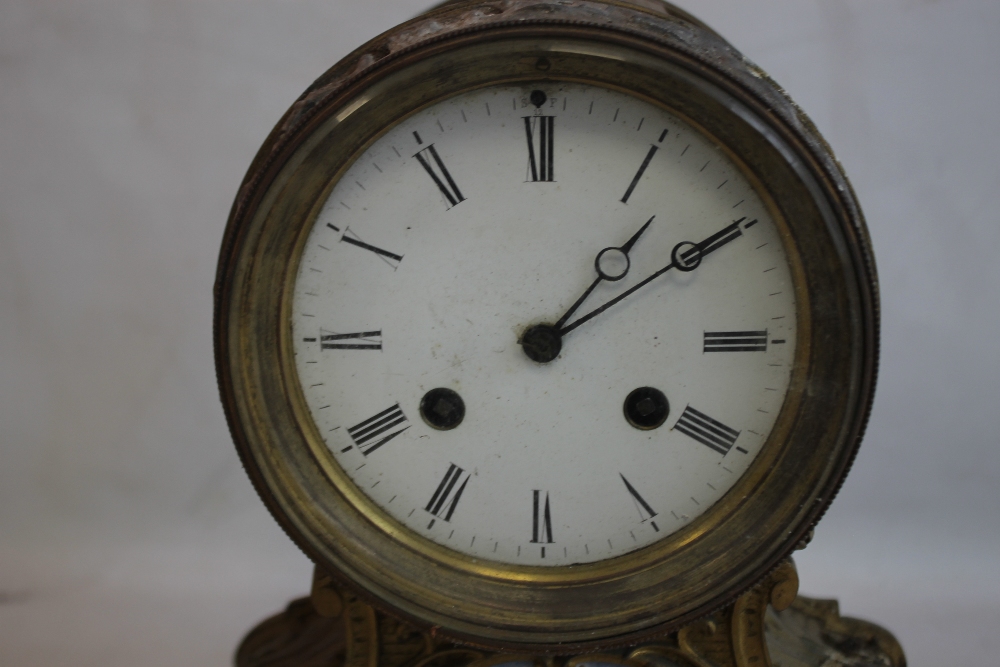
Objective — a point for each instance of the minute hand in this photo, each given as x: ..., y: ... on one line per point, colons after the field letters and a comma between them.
x: 685, y: 260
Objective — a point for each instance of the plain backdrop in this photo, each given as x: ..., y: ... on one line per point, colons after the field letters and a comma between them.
x: 129, y: 534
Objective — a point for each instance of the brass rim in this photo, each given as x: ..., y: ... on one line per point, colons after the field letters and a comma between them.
x: 657, y: 588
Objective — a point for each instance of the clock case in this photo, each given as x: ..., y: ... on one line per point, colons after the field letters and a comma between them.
x: 660, y: 54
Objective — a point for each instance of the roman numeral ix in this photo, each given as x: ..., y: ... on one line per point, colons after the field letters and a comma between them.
x: 328, y: 340
x: 449, y: 492
x: 540, y: 147
x: 541, y: 521
x: 646, y: 512
x: 432, y: 164
x: 709, y: 432
x: 735, y: 341
x: 366, y: 435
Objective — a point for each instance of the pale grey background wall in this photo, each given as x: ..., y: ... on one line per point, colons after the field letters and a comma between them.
x: 128, y: 532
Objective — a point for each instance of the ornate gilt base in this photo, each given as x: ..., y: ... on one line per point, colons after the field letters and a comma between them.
x: 770, y: 625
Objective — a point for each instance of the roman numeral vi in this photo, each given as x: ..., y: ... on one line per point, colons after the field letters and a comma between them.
x: 541, y: 524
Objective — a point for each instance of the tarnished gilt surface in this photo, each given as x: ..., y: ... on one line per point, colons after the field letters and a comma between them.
x: 797, y: 632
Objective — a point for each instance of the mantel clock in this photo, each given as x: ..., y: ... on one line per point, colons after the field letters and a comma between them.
x: 547, y: 328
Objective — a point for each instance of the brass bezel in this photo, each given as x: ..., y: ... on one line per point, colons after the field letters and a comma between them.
x: 655, y: 589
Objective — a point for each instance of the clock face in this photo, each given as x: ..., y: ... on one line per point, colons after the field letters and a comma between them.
x: 463, y: 376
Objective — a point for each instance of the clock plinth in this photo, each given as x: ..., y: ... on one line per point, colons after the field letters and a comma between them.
x: 769, y: 625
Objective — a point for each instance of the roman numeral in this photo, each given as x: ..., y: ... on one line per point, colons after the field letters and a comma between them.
x: 541, y: 521
x: 646, y: 512
x: 709, y: 432
x: 540, y: 167
x: 366, y: 435
x: 735, y: 341
x: 432, y: 164
x: 445, y: 499
x: 370, y: 340
x: 642, y: 168
x: 390, y: 258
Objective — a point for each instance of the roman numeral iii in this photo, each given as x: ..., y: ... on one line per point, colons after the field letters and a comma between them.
x: 541, y: 523
x: 735, y: 341
x: 375, y: 431
x: 432, y: 164
x: 709, y: 432
x: 445, y: 499
x: 540, y: 132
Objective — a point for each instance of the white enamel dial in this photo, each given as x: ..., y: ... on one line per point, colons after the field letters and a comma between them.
x: 465, y: 225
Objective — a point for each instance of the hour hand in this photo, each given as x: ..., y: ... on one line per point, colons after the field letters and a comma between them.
x: 543, y: 342
x: 631, y: 242
x: 611, y: 264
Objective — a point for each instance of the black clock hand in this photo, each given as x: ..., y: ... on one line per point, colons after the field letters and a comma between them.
x: 685, y: 256
x: 602, y: 275
x: 542, y: 342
